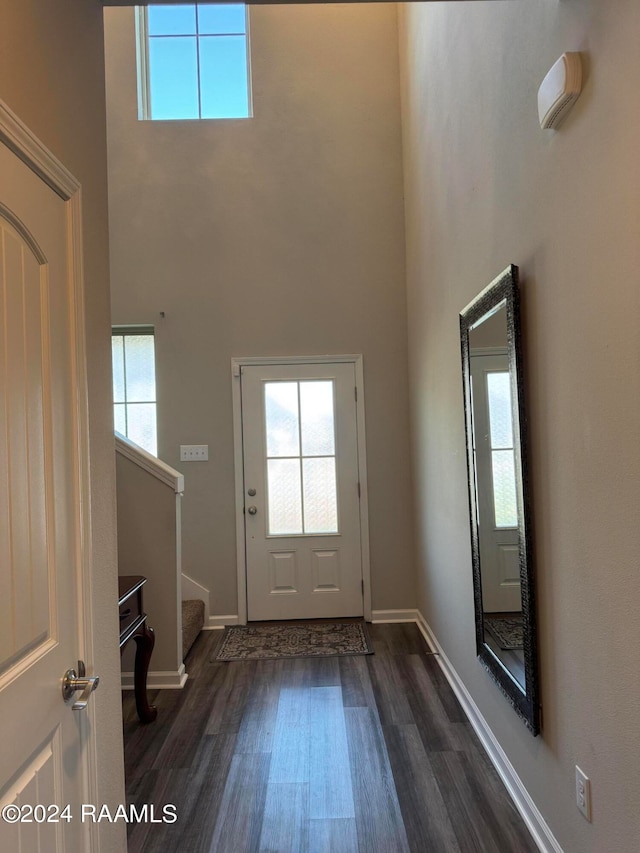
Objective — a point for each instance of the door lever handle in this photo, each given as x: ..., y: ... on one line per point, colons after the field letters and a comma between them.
x: 71, y: 683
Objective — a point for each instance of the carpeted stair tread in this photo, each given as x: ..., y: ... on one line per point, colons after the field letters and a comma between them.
x: 192, y: 622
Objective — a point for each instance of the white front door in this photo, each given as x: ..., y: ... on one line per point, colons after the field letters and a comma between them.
x: 44, y: 743
x: 496, y: 483
x: 301, y: 491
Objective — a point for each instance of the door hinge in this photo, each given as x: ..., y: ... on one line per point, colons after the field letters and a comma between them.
x: 359, y: 493
x: 355, y: 393
x: 363, y: 586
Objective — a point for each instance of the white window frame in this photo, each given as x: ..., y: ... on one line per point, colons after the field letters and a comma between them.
x: 143, y: 76
x: 124, y: 331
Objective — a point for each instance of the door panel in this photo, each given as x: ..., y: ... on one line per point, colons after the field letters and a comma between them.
x: 325, y: 570
x: 44, y: 742
x: 36, y: 786
x: 283, y: 572
x: 25, y: 603
x: 302, y: 522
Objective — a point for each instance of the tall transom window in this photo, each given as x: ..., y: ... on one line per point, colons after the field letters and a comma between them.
x: 193, y: 61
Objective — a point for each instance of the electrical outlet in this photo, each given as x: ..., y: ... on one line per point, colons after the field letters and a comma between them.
x: 194, y: 452
x: 583, y: 793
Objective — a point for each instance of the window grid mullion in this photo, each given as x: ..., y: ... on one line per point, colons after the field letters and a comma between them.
x: 198, y: 60
x: 191, y: 35
x: 124, y: 373
x: 300, y: 458
x: 275, y: 458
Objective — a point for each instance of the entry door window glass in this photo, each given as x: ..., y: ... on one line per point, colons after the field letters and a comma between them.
x: 301, y: 465
x: 502, y: 450
x: 316, y: 416
x: 285, y: 496
x: 283, y: 420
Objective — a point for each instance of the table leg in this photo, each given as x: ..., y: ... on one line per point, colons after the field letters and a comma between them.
x: 144, y: 646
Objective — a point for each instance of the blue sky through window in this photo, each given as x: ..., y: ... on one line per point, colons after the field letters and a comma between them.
x: 228, y: 18
x: 172, y: 20
x: 197, y: 59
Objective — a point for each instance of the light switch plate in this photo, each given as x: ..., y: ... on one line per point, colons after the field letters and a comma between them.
x: 583, y: 793
x: 194, y: 452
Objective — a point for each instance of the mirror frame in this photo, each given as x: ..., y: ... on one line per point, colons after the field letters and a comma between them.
x: 525, y: 701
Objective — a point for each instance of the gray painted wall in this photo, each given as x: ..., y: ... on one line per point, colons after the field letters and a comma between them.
x: 280, y: 235
x: 486, y: 187
x: 52, y: 76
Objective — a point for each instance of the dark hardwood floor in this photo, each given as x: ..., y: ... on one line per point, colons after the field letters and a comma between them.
x: 340, y: 755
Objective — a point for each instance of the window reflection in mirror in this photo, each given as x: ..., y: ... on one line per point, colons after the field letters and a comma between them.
x: 495, y: 474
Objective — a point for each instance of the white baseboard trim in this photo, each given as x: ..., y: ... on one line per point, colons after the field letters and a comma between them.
x: 529, y: 812
x: 394, y: 616
x: 217, y: 623
x: 158, y: 680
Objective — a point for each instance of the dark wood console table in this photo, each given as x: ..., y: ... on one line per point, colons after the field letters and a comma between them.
x: 133, y: 625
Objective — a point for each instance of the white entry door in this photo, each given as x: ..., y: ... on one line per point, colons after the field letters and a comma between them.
x: 44, y: 745
x: 496, y: 483
x: 301, y: 491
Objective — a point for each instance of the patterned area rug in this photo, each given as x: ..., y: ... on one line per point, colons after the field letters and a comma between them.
x: 505, y: 630
x: 317, y: 639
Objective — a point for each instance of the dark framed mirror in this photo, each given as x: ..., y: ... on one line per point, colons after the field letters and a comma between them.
x: 499, y: 505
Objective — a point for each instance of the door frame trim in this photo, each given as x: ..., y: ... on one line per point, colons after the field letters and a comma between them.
x: 241, y: 560
x: 17, y: 137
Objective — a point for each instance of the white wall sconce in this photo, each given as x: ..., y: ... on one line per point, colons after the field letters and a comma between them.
x: 559, y: 90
